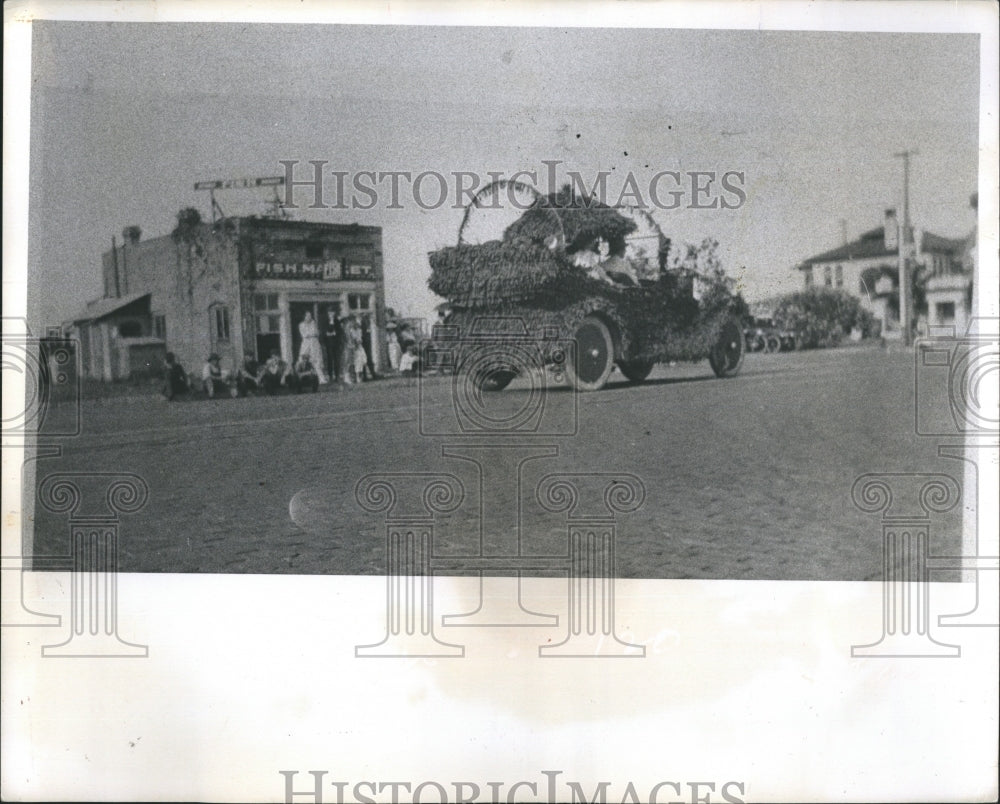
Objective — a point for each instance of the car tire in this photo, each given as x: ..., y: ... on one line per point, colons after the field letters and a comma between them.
x: 727, y: 353
x: 594, y: 356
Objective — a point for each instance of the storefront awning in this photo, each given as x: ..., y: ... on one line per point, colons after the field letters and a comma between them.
x: 104, y: 307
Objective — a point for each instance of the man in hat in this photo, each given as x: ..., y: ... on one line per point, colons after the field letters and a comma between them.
x: 214, y: 379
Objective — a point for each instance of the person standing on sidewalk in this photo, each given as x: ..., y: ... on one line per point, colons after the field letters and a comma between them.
x: 367, y: 345
x: 346, y: 350
x: 392, y: 346
x: 333, y: 341
x: 357, y: 349
x: 310, y: 344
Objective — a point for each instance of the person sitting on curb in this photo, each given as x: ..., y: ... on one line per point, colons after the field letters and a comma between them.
x: 214, y: 379
x: 275, y: 374
x: 248, y: 377
x: 408, y: 365
x: 175, y: 380
x: 307, y: 379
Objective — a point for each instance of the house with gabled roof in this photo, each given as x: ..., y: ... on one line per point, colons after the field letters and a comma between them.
x: 868, y: 268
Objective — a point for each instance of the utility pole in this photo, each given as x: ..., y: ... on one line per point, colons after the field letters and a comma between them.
x: 905, y: 248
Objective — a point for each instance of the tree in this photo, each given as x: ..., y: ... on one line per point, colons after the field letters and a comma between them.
x: 188, y: 223
x: 703, y: 265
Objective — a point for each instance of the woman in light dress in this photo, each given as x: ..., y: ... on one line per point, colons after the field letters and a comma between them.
x: 310, y: 345
x: 392, y: 346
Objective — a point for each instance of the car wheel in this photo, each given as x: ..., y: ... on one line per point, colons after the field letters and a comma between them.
x: 595, y: 355
x: 726, y: 356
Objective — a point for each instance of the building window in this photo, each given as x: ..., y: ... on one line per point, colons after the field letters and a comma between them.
x: 263, y: 302
x: 265, y: 305
x: 359, y: 302
x: 839, y: 276
x: 130, y: 329
x: 946, y: 312
x: 160, y: 327
x: 219, y: 317
x: 314, y: 251
x: 828, y: 276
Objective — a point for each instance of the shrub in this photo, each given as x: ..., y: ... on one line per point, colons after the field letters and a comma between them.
x: 821, y: 316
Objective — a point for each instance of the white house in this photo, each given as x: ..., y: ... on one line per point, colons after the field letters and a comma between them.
x: 869, y: 269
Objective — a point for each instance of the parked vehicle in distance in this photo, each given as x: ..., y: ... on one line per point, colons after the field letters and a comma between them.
x: 764, y: 335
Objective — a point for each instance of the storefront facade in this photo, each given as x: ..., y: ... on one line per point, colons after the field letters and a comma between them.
x: 243, y: 286
x: 290, y: 268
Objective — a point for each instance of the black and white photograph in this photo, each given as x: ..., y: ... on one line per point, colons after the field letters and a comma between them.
x: 358, y: 361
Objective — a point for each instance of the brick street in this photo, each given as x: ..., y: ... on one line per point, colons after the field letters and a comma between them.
x: 745, y: 478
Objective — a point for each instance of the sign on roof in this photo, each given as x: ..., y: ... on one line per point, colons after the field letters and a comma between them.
x: 240, y: 184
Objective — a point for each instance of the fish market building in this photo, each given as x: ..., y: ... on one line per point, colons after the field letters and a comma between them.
x: 238, y: 286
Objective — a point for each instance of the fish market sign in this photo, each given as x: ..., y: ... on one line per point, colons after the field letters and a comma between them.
x: 326, y: 270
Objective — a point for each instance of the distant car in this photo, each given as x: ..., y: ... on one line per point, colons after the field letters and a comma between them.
x: 763, y: 335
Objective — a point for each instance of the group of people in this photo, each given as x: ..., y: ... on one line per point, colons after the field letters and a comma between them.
x: 347, y: 344
x: 598, y: 262
x: 269, y: 377
x: 341, y: 352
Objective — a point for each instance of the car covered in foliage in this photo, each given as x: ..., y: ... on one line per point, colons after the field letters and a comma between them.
x: 567, y: 288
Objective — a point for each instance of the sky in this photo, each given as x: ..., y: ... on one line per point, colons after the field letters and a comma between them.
x: 126, y: 117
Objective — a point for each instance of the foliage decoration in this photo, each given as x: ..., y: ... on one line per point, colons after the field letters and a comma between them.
x: 530, y: 274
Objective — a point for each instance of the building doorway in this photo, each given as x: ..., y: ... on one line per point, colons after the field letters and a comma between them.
x: 266, y: 343
x: 318, y: 308
x: 298, y: 310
